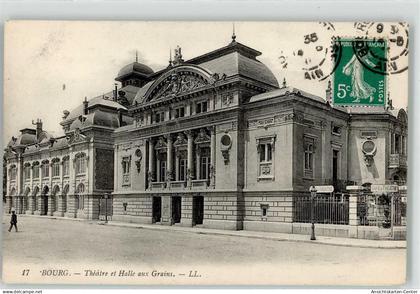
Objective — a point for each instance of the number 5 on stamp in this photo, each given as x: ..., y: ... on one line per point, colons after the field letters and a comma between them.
x: 360, y: 75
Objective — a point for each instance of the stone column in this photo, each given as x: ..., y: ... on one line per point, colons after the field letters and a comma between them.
x: 197, y: 163
x: 177, y: 166
x: 151, y: 162
x: 169, y: 174
x: 212, y: 156
x: 353, y: 221
x: 189, y: 158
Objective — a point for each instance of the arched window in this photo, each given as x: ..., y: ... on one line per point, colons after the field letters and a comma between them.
x: 66, y: 166
x: 35, y: 170
x: 80, y: 198
x: 27, y: 171
x: 64, y: 195
x: 55, y: 193
x: 55, y: 167
x: 45, y: 169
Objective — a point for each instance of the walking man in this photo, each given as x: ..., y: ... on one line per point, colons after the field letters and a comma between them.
x: 13, y: 221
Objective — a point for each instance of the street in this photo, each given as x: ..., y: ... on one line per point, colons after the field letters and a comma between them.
x: 43, y: 243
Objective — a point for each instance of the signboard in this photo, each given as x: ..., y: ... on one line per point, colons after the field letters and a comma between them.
x: 404, y: 199
x: 402, y: 188
x: 354, y: 188
x: 324, y: 189
x: 384, y: 188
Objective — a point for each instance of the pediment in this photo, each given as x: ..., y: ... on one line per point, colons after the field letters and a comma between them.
x: 78, y: 137
x: 179, y: 81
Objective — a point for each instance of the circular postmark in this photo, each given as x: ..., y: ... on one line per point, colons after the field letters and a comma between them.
x: 319, y: 49
x: 371, y: 54
x: 395, y: 38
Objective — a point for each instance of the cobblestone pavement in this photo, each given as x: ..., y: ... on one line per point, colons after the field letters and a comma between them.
x: 45, y: 242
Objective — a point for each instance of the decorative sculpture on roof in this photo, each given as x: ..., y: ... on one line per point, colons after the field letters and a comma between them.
x: 178, y: 56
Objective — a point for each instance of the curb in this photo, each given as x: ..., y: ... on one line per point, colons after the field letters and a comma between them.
x: 272, y: 238
x: 242, y: 234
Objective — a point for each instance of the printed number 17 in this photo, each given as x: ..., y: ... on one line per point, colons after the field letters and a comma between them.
x: 342, y: 90
x: 25, y: 272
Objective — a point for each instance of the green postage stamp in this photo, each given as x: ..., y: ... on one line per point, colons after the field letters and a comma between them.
x: 360, y: 72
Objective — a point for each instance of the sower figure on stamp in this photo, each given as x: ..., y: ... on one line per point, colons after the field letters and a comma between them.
x: 13, y: 221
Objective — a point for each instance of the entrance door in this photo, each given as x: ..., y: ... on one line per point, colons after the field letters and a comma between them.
x: 176, y: 209
x: 157, y: 209
x: 198, y: 210
x: 45, y: 205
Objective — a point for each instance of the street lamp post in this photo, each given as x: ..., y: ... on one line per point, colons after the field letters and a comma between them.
x: 106, y: 208
x: 312, y: 189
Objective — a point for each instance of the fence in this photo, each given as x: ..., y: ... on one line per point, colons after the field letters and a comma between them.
x: 377, y: 210
x: 328, y: 209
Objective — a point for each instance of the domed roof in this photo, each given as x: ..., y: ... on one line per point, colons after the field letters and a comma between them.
x: 97, y: 118
x: 135, y: 67
x: 25, y: 139
x: 97, y: 101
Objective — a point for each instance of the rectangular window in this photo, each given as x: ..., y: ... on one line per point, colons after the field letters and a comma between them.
x: 66, y: 167
x: 182, y: 169
x: 201, y: 107
x: 126, y: 168
x: 179, y: 112
x: 56, y: 169
x: 205, y: 163
x: 265, y: 148
x: 265, y: 152
x: 159, y: 116
x: 308, y: 157
x: 162, y: 172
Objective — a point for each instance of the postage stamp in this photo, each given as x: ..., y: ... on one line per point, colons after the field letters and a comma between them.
x: 360, y: 73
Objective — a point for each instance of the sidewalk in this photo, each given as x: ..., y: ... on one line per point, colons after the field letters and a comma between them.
x: 348, y: 242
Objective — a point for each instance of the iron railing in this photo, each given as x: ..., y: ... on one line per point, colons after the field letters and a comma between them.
x: 327, y: 209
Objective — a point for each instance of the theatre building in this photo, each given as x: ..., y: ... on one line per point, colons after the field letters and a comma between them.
x: 212, y: 141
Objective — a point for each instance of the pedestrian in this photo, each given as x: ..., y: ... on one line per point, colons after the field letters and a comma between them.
x: 13, y: 221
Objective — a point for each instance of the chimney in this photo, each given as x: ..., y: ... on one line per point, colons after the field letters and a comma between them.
x: 116, y: 92
x: 120, y: 117
x: 85, y: 106
x: 38, y: 127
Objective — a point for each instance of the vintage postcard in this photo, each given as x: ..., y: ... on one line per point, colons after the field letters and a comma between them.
x: 205, y: 153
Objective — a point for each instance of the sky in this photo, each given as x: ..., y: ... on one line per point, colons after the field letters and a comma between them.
x: 50, y: 66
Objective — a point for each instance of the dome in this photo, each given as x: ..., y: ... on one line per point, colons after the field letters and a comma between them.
x: 136, y: 68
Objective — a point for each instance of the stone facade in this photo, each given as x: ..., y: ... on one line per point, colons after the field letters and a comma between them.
x: 213, y: 141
